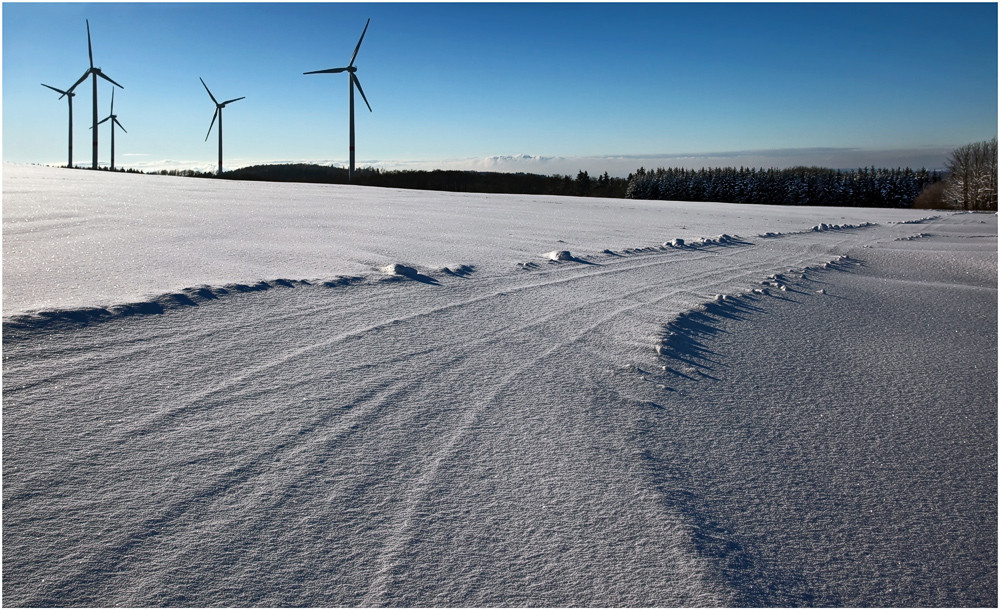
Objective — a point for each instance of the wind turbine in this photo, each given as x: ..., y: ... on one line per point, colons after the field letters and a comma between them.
x: 218, y: 113
x: 353, y: 80
x: 94, y: 73
x: 69, y: 96
x: 114, y: 121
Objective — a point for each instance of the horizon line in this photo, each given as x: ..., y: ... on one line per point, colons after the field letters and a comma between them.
x: 929, y: 157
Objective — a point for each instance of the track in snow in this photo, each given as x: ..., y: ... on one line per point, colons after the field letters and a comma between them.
x: 479, y: 439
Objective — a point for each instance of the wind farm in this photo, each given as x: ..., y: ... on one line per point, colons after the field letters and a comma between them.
x: 95, y: 72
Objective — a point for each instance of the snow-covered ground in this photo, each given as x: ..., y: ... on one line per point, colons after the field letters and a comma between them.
x: 225, y: 393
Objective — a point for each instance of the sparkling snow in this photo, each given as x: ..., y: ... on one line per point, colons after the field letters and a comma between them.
x: 251, y: 394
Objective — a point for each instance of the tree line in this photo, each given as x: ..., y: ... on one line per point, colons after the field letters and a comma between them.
x: 436, y: 180
x: 814, y: 186
x: 969, y: 182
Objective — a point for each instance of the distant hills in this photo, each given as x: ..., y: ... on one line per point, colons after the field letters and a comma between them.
x: 437, y: 180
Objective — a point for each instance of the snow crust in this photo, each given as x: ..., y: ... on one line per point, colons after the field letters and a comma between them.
x: 246, y: 394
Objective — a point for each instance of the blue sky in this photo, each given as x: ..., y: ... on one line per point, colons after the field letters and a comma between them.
x: 551, y: 88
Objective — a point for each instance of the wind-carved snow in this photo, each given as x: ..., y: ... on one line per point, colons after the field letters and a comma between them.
x: 917, y: 221
x: 436, y: 413
x: 912, y: 237
x: 837, y: 227
x: 679, y: 341
x: 824, y: 227
x: 559, y: 255
x: 459, y: 270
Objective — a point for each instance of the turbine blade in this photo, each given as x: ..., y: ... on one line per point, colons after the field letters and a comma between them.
x: 112, y: 102
x: 102, y: 121
x: 212, y: 124
x: 119, y: 124
x: 329, y: 71
x: 64, y: 93
x: 359, y: 42
x: 108, y: 78
x: 235, y: 100
x: 90, y: 50
x: 82, y: 78
x: 209, y: 92
x: 361, y: 91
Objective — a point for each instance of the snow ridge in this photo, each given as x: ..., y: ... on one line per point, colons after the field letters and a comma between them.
x: 187, y: 297
x: 65, y: 318
x: 682, y: 342
x: 459, y: 270
x: 560, y: 256
x: 822, y: 227
x: 918, y: 221
x: 825, y: 227
x: 719, y: 240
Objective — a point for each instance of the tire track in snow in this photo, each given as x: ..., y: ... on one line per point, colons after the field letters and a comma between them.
x: 536, y: 326
x: 723, y: 275
x: 402, y: 534
x: 257, y: 370
x: 233, y: 476
x: 402, y: 531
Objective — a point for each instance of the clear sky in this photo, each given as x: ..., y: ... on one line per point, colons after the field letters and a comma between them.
x: 550, y: 88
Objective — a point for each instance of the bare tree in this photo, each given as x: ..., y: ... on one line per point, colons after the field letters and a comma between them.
x: 986, y: 177
x: 972, y: 183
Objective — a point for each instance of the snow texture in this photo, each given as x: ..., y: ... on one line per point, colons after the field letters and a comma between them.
x: 422, y: 410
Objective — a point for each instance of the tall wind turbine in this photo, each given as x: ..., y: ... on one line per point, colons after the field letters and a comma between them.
x: 353, y: 80
x: 218, y: 113
x: 114, y: 121
x: 94, y: 73
x: 69, y: 96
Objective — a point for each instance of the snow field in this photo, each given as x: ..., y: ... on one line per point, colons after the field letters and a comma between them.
x: 497, y: 431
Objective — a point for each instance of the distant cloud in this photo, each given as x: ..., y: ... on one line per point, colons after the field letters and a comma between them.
x: 169, y: 164
x: 622, y: 165
x: 930, y: 157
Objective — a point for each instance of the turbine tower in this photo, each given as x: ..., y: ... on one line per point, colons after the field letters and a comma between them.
x: 94, y: 73
x: 69, y: 97
x: 352, y: 81
x: 218, y: 113
x: 114, y: 121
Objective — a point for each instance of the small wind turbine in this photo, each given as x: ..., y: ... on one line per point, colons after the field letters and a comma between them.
x: 218, y: 113
x: 353, y: 80
x: 94, y: 73
x: 69, y: 97
x: 114, y: 121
